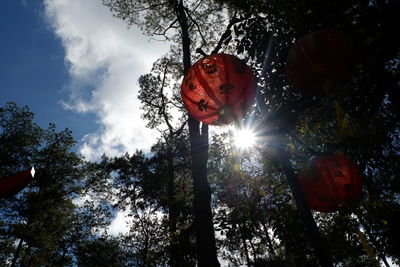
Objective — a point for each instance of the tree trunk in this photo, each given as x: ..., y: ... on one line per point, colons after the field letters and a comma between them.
x: 16, y: 254
x: 28, y: 253
x: 282, y: 157
x: 253, y: 249
x: 176, y: 257
x: 368, y: 248
x: 205, y: 236
x: 383, y: 258
x: 269, y: 241
x: 380, y: 254
x: 205, y: 239
x: 246, y: 250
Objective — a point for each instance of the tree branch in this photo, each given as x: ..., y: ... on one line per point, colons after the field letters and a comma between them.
x: 151, y: 104
x: 196, y: 24
x: 227, y: 33
x: 179, y: 131
x: 166, y: 29
x: 117, y: 4
x: 163, y: 113
x: 201, y: 52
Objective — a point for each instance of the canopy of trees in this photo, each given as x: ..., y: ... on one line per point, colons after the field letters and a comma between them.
x: 196, y: 199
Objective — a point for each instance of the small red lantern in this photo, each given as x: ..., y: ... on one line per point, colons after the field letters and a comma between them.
x: 13, y: 184
x: 330, y: 182
x: 318, y: 61
x: 218, y: 89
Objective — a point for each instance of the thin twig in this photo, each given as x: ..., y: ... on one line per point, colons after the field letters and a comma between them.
x: 171, y: 26
x: 227, y: 33
x: 196, y: 24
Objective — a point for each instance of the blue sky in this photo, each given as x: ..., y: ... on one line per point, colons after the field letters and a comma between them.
x: 32, y: 67
x: 75, y: 65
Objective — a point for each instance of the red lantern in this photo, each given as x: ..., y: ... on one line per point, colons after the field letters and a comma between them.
x: 318, y: 61
x: 330, y: 182
x: 13, y: 184
x: 218, y: 89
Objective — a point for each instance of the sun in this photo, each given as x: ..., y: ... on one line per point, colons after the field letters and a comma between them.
x: 244, y: 138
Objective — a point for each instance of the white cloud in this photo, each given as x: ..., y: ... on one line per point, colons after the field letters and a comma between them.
x: 104, y: 59
x: 120, y: 224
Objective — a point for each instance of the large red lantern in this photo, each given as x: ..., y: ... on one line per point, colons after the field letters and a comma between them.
x: 13, y: 184
x: 330, y: 182
x: 319, y: 61
x: 218, y: 89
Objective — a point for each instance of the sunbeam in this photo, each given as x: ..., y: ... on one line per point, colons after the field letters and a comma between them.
x: 244, y: 138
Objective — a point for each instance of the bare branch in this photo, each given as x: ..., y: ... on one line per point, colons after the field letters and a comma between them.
x: 227, y: 33
x: 118, y: 5
x: 179, y: 131
x: 171, y: 129
x: 196, y: 24
x: 166, y: 29
x: 197, y: 6
x: 201, y: 52
x: 175, y: 105
x: 150, y: 7
x: 151, y: 104
x: 165, y: 38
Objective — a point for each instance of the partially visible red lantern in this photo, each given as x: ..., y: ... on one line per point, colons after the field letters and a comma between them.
x: 330, y: 182
x: 218, y: 89
x: 318, y: 61
x: 13, y: 184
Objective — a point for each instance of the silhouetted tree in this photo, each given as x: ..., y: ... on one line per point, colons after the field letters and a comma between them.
x: 42, y: 224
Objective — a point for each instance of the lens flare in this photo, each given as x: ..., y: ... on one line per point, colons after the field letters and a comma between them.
x: 244, y: 138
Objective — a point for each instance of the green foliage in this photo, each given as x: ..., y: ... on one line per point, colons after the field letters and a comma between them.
x: 44, y: 218
x: 103, y: 251
x: 144, y: 193
x: 255, y: 216
x: 369, y: 103
x: 19, y: 138
x: 61, y: 216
